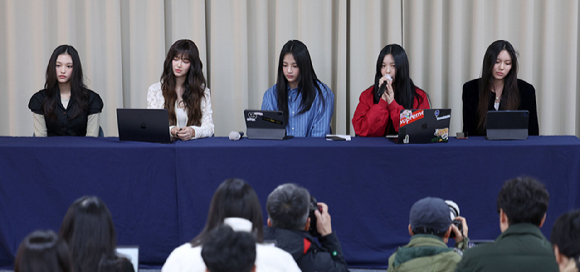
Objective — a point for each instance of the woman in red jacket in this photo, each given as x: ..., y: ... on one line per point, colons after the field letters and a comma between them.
x: 377, y: 113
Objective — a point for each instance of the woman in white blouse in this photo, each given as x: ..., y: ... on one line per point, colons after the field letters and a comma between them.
x: 183, y: 93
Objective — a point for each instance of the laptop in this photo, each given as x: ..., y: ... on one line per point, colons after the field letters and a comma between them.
x: 143, y: 125
x: 507, y: 125
x: 267, y: 125
x: 424, y: 126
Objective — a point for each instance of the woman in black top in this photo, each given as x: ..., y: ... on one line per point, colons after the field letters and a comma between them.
x: 65, y: 107
x: 498, y: 89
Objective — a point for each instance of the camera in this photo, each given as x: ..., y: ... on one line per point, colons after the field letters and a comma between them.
x: 453, y: 213
x: 313, y: 207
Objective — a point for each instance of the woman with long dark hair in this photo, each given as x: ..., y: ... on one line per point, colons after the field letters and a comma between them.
x: 43, y: 251
x: 65, y: 107
x: 378, y: 110
x: 498, y: 89
x: 236, y: 204
x: 183, y: 92
x: 88, y: 230
x: 307, y: 103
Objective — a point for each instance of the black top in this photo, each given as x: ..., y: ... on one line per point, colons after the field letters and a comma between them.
x: 62, y: 125
x: 471, y: 100
x: 306, y: 252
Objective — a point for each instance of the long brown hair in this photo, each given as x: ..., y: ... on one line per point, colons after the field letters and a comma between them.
x: 510, y: 96
x: 193, y: 87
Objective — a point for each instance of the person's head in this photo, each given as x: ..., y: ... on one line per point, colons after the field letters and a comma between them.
x: 393, y: 60
x: 430, y: 215
x: 500, y: 63
x: 88, y: 230
x: 522, y: 200
x: 288, y: 207
x: 42, y: 251
x: 565, y: 239
x: 233, y: 198
x: 183, y: 64
x: 226, y: 250
x: 65, y: 69
x: 295, y: 70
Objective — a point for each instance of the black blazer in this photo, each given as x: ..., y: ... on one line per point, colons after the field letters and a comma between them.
x: 471, y: 99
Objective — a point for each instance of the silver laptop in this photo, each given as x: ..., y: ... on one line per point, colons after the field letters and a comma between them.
x: 507, y: 125
x: 143, y: 125
x: 266, y: 125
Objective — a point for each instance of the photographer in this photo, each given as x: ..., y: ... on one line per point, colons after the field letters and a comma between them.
x: 288, y: 209
x: 430, y: 226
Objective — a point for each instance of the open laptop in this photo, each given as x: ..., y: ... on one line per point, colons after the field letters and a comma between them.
x: 144, y: 125
x: 268, y: 125
x: 507, y: 125
x: 424, y: 126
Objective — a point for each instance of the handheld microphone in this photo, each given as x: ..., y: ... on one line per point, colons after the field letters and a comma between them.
x: 383, y: 86
x: 236, y: 135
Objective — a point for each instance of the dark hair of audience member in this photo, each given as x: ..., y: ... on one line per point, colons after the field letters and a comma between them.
x: 523, y: 200
x: 402, y: 84
x: 233, y: 198
x: 79, y: 92
x: 43, y: 251
x: 226, y: 250
x: 510, y: 87
x: 307, y: 81
x: 288, y: 207
x: 89, y: 232
x: 566, y: 235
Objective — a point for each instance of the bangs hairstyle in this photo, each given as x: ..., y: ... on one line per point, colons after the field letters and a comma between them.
x: 510, y: 96
x: 308, y: 86
x: 233, y: 198
x: 42, y: 251
x: 79, y: 93
x: 403, y: 86
x: 193, y: 87
x: 88, y: 230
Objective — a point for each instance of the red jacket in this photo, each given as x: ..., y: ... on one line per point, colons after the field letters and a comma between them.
x: 372, y: 120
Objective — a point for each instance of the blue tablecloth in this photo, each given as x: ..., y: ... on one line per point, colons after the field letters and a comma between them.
x: 159, y: 194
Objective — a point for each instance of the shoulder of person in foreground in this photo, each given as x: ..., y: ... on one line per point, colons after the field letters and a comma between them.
x: 184, y: 257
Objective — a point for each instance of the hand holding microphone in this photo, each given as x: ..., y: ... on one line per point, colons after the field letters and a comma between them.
x: 386, y: 89
x: 236, y: 135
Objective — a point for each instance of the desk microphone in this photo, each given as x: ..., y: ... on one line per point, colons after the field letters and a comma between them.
x: 236, y: 135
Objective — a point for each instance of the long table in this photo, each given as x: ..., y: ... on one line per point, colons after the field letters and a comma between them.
x: 159, y: 194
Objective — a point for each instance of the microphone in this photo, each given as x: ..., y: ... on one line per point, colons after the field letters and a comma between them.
x: 383, y: 86
x: 236, y: 135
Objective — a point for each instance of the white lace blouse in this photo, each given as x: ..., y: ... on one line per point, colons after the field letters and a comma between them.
x: 155, y: 100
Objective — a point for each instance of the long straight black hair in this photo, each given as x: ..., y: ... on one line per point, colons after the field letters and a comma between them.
x: 307, y: 80
x: 193, y: 87
x: 88, y: 230
x: 79, y: 91
x: 510, y: 95
x: 402, y: 84
x: 233, y: 198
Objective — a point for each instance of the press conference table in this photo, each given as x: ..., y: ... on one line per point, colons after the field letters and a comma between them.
x: 159, y: 194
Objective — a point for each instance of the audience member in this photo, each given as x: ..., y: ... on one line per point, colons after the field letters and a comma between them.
x: 430, y: 227
x: 522, y: 204
x: 43, y: 251
x: 565, y: 239
x: 235, y: 204
x: 226, y: 250
x: 288, y: 223
x: 88, y: 230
